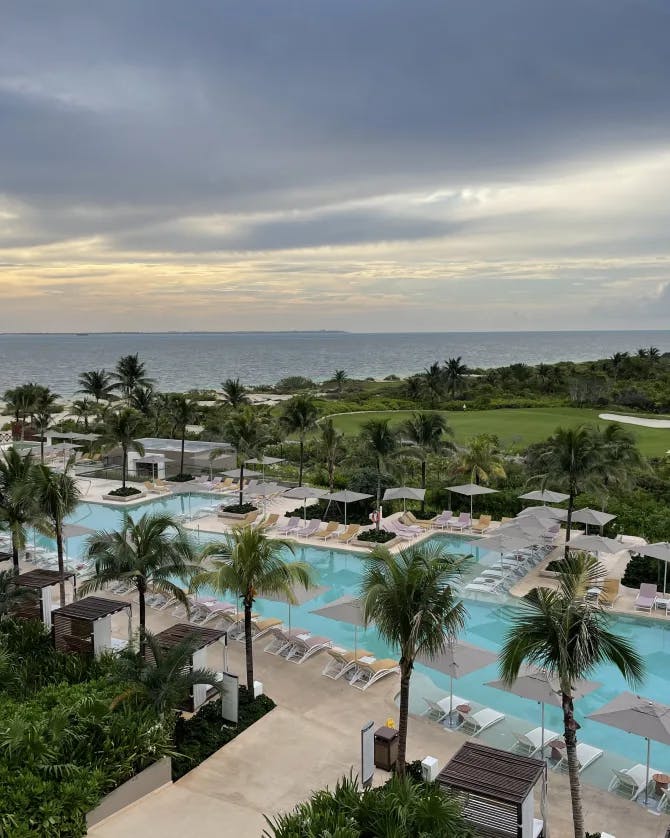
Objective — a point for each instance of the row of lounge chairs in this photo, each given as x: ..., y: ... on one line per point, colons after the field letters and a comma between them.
x: 500, y: 576
x: 314, y: 528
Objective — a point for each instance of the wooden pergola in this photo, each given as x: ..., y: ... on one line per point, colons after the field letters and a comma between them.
x: 42, y: 581
x: 85, y: 626
x: 496, y: 789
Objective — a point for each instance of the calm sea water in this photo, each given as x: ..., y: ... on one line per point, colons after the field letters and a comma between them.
x: 182, y: 361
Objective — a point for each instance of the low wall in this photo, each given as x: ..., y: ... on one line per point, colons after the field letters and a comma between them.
x: 154, y: 777
x: 124, y: 498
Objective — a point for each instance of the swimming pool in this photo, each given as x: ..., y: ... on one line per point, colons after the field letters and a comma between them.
x: 339, y: 573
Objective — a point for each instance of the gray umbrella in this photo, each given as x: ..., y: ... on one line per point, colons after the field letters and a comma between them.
x: 542, y: 513
x: 345, y: 496
x: 595, y: 544
x: 304, y: 493
x: 264, y: 461
x: 544, y: 495
x: 660, y: 551
x: 458, y: 659
x: 504, y: 541
x: 299, y: 596
x: 527, y: 524
x: 263, y: 490
x: 640, y: 716
x: 72, y: 531
x: 537, y: 685
x: 345, y: 610
x: 470, y: 490
x: 235, y: 473
x: 589, y: 517
x: 404, y: 493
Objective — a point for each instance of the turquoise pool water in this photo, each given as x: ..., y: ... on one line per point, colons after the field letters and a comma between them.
x: 339, y: 573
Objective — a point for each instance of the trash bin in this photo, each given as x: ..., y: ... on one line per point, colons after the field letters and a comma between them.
x: 386, y: 748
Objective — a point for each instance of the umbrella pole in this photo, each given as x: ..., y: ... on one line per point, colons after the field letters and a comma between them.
x: 646, y: 784
x: 471, y: 499
x: 355, y: 642
x: 304, y: 510
x: 542, y: 739
x: 345, y: 513
x: 665, y: 576
x: 451, y: 700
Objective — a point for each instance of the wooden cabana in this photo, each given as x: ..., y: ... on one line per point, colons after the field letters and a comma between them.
x: 201, y: 638
x: 496, y: 789
x: 85, y: 626
x: 42, y: 581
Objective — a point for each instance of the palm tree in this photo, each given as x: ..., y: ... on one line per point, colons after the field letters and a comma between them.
x: 247, y: 431
x: 340, y: 378
x: 568, y: 636
x: 153, y: 551
x: 299, y: 417
x: 42, y: 422
x: 454, y: 373
x: 120, y: 431
x: 331, y: 448
x: 56, y: 496
x: 410, y: 599
x: 183, y: 412
x: 249, y: 564
x: 653, y: 353
x: 97, y: 383
x: 382, y: 442
x: 163, y: 678
x: 482, y: 459
x: 575, y: 460
x: 425, y: 433
x: 234, y: 392
x: 433, y: 382
x: 82, y: 409
x: 131, y: 373
x: 617, y: 362
x: 624, y: 461
x: 145, y: 401
x: 17, y: 506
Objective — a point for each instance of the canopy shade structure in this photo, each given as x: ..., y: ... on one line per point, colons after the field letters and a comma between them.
x: 304, y: 493
x: 545, y: 495
x: 345, y: 496
x: 456, y: 660
x: 589, y: 517
x: 470, y: 490
x: 660, y: 551
x: 537, y: 685
x: 638, y: 715
x: 595, y: 544
x: 345, y: 610
x: 404, y: 493
x: 542, y: 513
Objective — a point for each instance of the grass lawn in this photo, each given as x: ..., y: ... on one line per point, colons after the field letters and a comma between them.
x: 516, y: 428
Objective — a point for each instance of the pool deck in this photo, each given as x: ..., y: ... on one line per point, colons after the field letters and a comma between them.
x: 310, y: 741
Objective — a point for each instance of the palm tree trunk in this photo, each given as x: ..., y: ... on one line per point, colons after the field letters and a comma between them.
x: 302, y: 452
x: 568, y: 522
x: 141, y: 590
x: 331, y: 476
x: 41, y: 449
x: 423, y: 485
x: 379, y: 496
x: 61, y: 564
x: 15, y: 552
x: 248, y: 642
x: 241, y: 484
x: 181, y: 461
x: 124, y: 465
x: 403, y: 718
x: 570, y: 734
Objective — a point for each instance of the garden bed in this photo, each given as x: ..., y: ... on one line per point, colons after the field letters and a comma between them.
x: 124, y: 498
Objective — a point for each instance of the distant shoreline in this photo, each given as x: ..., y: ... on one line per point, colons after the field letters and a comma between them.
x: 343, y: 332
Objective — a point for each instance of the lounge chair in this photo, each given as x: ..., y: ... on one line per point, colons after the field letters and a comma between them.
x: 632, y: 782
x: 461, y: 523
x: 311, y: 528
x: 410, y: 519
x: 235, y: 621
x: 441, y: 521
x: 282, y: 639
x: 347, y: 534
x: 218, y: 610
x: 368, y: 674
x: 586, y: 755
x: 483, y: 524
x: 302, y: 650
x: 331, y: 528
x: 664, y: 802
x: 260, y: 627
x: 343, y: 661
x: 647, y: 596
x: 269, y: 522
x: 153, y: 489
x: 610, y: 592
x: 530, y: 743
x: 289, y: 526
x: 438, y: 711
x: 476, y: 723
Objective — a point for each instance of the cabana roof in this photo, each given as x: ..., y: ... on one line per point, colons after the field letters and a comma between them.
x: 91, y: 608
x: 41, y: 578
x: 200, y: 636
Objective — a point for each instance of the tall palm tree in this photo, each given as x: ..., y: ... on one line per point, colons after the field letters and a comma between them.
x: 56, y: 496
x: 249, y: 564
x: 568, y: 636
x: 153, y: 551
x: 235, y: 393
x: 624, y: 461
x: 382, y: 442
x: 17, y: 505
x: 482, y: 459
x: 97, y: 383
x: 42, y: 422
x: 410, y: 598
x: 454, y: 373
x: 340, y: 378
x: 425, y: 432
x: 247, y: 431
x: 183, y: 412
x: 82, y: 409
x: 144, y: 400
x: 131, y: 373
x: 575, y: 459
x: 163, y: 678
x: 433, y: 382
x: 299, y: 417
x: 120, y: 431
x: 331, y: 448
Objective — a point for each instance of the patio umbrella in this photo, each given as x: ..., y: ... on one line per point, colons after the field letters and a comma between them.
x: 542, y: 513
x: 504, y: 541
x: 263, y: 490
x: 300, y: 596
x: 595, y: 544
x: 404, y: 493
x: 470, y: 490
x: 456, y: 660
x: 65, y: 448
x: 346, y: 609
x: 537, y: 685
x: 72, y: 531
x: 638, y: 715
x: 527, y: 524
x: 304, y: 493
x: 544, y: 495
x: 264, y: 461
x: 345, y: 496
x: 235, y: 473
x: 589, y: 517
x: 660, y: 551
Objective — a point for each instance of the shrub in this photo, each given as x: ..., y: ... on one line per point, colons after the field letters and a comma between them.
x: 294, y: 382
x: 241, y: 508
x: 124, y: 493
x: 181, y: 478
x: 376, y: 536
x: 641, y: 569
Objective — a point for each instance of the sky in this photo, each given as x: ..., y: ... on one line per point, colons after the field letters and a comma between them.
x: 372, y: 165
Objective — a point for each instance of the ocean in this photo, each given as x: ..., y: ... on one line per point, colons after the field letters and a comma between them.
x: 180, y: 361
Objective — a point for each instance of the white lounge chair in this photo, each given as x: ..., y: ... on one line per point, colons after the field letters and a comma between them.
x: 476, y: 723
x: 530, y: 743
x: 343, y: 661
x: 368, y: 673
x: 440, y: 710
x: 586, y: 755
x: 302, y: 650
x: 631, y: 782
x: 282, y: 639
x: 311, y: 528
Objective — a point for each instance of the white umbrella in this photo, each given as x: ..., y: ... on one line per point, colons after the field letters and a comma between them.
x: 264, y: 461
x: 470, y: 490
x: 595, y: 544
x: 660, y: 551
x: 589, y: 517
x: 404, y: 493
x: 544, y: 495
x: 304, y: 493
x: 547, y: 513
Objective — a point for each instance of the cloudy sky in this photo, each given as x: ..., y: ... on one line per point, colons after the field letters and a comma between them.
x: 377, y: 165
